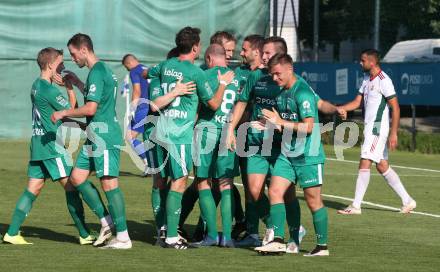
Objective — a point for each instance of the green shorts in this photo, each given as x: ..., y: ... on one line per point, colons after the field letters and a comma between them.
x: 179, y: 163
x: 55, y: 168
x: 305, y: 175
x: 211, y: 158
x: 262, y: 164
x: 157, y: 157
x: 104, y: 164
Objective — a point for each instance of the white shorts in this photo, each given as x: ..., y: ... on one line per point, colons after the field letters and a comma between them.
x: 374, y: 148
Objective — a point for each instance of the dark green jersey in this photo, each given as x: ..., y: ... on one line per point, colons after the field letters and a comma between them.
x: 176, y: 122
x: 101, y: 87
x: 242, y: 73
x: 261, y: 91
x: 46, y: 99
x: 154, y: 92
x: 296, y: 104
x: 221, y: 115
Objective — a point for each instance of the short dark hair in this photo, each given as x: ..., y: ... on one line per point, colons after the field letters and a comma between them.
x: 280, y: 44
x: 279, y: 59
x: 173, y: 53
x: 256, y: 41
x: 124, y: 59
x: 46, y: 56
x: 215, y: 50
x: 81, y: 39
x: 219, y: 36
x: 372, y: 53
x: 186, y: 38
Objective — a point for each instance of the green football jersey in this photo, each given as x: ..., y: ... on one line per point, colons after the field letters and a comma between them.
x: 46, y: 99
x: 176, y: 121
x: 154, y: 92
x: 296, y: 104
x: 101, y: 87
x: 261, y: 90
x: 221, y: 115
x: 242, y: 73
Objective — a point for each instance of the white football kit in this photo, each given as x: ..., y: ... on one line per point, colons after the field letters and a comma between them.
x: 376, y: 92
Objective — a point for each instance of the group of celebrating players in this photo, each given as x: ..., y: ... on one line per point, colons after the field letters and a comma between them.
x: 259, y: 121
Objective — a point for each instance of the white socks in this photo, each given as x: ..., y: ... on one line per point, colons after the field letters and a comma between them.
x: 361, y: 187
x: 123, y: 236
x: 394, y: 181
x: 106, y: 221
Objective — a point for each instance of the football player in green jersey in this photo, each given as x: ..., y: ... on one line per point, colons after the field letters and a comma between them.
x: 48, y: 156
x: 302, y: 157
x: 251, y: 51
x: 262, y: 91
x: 213, y: 162
x: 101, y: 151
x: 174, y: 129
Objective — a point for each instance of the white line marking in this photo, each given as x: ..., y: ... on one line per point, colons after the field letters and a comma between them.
x: 394, y: 166
x: 366, y: 203
x: 363, y: 202
x: 379, y: 175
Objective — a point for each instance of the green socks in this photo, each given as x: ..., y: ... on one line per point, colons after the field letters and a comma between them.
x: 293, y: 216
x: 227, y: 206
x: 116, y: 206
x: 278, y: 216
x: 320, y: 222
x: 173, y: 206
x: 158, y: 200
x: 92, y: 198
x: 76, y: 210
x: 22, y: 208
x: 209, y: 212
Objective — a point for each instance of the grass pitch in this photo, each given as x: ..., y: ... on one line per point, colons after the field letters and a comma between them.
x: 378, y: 240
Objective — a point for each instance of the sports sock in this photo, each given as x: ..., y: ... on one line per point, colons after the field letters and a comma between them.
x: 22, y: 209
x: 226, y: 211
x: 173, y: 206
x: 361, y: 187
x: 209, y: 212
x: 394, y: 181
x: 320, y: 223
x: 92, y: 198
x: 252, y: 219
x: 293, y: 216
x: 116, y: 206
x: 76, y: 210
x: 122, y: 236
x: 138, y: 146
x: 278, y: 215
x: 158, y: 198
x: 189, y: 199
x: 263, y: 209
x: 238, y: 208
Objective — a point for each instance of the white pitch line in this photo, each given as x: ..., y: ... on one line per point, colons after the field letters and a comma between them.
x: 395, y: 166
x: 379, y: 175
x: 363, y: 202
x: 367, y: 203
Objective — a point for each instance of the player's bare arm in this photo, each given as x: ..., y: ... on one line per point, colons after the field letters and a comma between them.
x: 89, y: 109
x: 224, y: 79
x: 305, y: 126
x: 181, y: 89
x: 237, y: 112
x: 395, y: 115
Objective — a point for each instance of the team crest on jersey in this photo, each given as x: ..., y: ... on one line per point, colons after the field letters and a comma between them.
x: 306, y: 105
x: 92, y: 88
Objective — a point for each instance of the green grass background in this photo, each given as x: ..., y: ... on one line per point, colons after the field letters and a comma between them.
x: 378, y: 240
